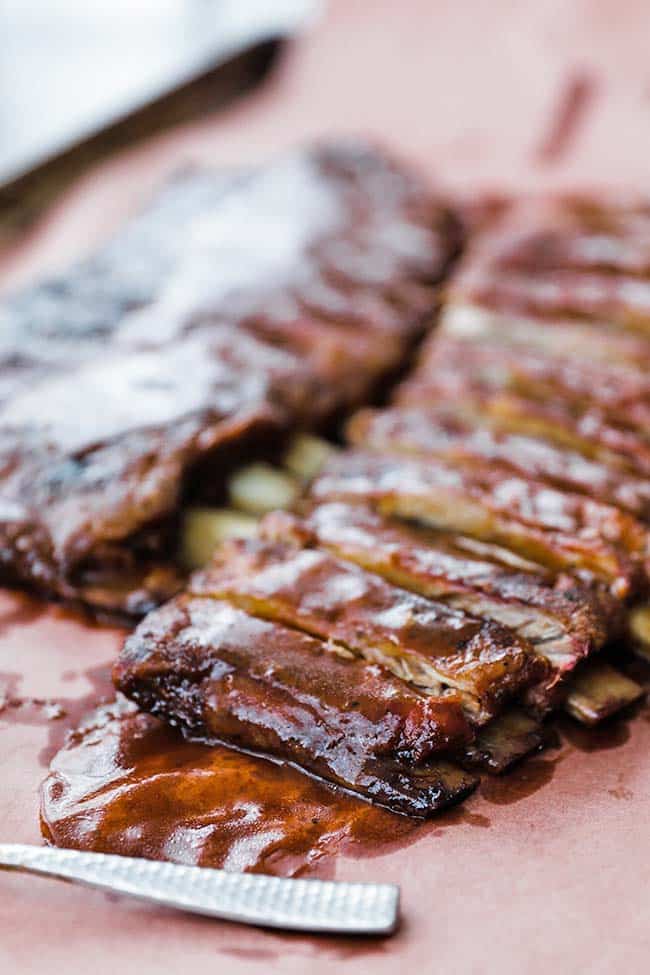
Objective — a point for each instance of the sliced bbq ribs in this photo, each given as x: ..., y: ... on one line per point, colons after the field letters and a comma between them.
x: 561, y: 530
x: 477, y: 555
x: 562, y: 618
x: 450, y: 431
x: 223, y: 675
x: 426, y: 643
x: 564, y: 255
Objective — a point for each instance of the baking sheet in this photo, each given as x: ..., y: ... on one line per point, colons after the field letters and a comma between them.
x: 550, y: 869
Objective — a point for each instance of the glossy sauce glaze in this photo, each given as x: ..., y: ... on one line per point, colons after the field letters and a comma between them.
x: 438, y: 431
x: 125, y: 783
x: 223, y: 675
x: 559, y: 529
x: 578, y: 256
x: 286, y: 293
x: 419, y: 640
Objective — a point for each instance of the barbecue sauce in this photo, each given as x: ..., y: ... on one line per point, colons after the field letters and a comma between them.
x: 127, y: 784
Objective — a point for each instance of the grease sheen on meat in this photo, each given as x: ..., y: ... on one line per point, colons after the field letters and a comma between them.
x: 563, y: 618
x: 564, y: 255
x: 562, y: 530
x: 240, y: 306
x: 449, y: 431
x: 428, y: 644
x: 480, y: 539
x: 222, y: 675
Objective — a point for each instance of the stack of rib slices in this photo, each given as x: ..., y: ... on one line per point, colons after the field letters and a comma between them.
x: 476, y: 557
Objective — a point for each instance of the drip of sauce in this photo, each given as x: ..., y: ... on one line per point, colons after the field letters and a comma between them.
x: 60, y: 714
x: 523, y: 781
x: 124, y: 783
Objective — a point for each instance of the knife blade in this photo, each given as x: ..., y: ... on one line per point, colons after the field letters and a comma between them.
x: 326, y: 906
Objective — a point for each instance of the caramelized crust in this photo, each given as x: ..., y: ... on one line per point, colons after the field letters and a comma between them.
x: 79, y: 484
x: 455, y: 368
x: 609, y: 234
x: 558, y: 529
x: 424, y: 642
x: 581, y: 342
x: 563, y: 618
x: 239, y: 307
x: 443, y: 431
x: 588, y: 431
x: 555, y: 256
x: 622, y: 299
x: 224, y: 676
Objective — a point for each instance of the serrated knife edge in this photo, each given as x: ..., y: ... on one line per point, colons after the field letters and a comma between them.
x: 335, y: 907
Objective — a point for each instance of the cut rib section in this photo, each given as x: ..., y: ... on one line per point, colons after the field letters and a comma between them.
x: 222, y: 675
x: 427, y: 643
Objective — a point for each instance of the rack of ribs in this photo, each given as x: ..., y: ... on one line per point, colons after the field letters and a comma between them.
x: 240, y: 306
x: 475, y: 558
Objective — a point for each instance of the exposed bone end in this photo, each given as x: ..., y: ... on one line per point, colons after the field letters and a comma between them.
x: 639, y: 623
x: 600, y: 691
x: 419, y: 791
x: 505, y: 741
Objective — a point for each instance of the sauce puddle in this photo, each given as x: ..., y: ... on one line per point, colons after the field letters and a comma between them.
x: 124, y: 783
x: 521, y: 782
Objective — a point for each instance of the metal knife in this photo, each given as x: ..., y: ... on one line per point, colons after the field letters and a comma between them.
x: 325, y: 906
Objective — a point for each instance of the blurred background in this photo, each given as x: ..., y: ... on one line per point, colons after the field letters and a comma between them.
x: 511, y: 93
x: 71, y: 66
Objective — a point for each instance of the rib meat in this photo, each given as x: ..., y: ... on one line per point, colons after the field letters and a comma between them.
x: 427, y: 643
x: 564, y: 255
x: 452, y: 433
x: 559, y: 529
x: 222, y: 675
x: 588, y: 432
x: 240, y: 306
x: 455, y: 368
x: 563, y: 619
